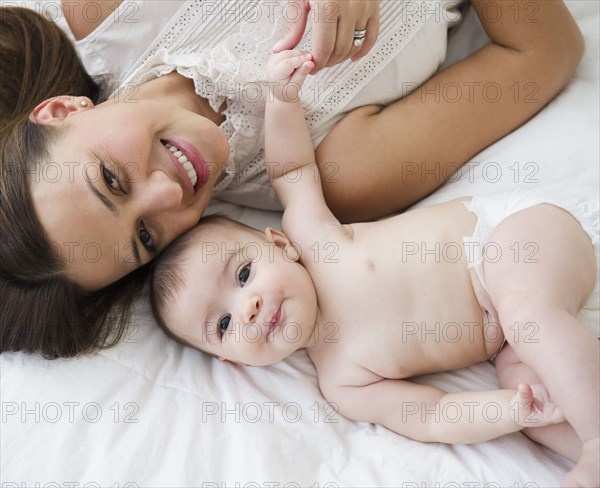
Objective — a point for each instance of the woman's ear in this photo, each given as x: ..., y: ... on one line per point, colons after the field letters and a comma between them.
x: 55, y: 110
x: 281, y: 241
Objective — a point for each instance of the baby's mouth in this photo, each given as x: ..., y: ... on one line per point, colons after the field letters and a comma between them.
x: 275, y: 321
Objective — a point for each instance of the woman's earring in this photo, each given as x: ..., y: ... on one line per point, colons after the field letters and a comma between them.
x: 83, y: 103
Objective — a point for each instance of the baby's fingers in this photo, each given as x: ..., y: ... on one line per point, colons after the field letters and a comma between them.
x: 301, y: 73
x: 522, y: 406
x: 525, y: 392
x: 282, y: 65
x: 294, y: 62
x: 285, y: 57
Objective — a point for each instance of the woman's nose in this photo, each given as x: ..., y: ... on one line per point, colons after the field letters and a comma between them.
x: 159, y: 194
x: 252, y: 307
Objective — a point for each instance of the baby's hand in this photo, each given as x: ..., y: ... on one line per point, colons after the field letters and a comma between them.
x: 532, y: 406
x: 286, y: 72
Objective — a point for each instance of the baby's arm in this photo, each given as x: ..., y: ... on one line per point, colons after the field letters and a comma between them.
x: 428, y: 414
x: 289, y: 153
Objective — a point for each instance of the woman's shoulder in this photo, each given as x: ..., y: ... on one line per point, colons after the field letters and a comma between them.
x: 102, y: 31
x: 86, y: 20
x: 84, y: 16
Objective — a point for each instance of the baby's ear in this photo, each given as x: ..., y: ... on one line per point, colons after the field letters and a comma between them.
x: 281, y: 241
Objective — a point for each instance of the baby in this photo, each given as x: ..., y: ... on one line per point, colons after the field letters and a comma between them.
x: 377, y: 303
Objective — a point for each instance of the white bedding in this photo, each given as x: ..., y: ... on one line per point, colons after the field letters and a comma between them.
x: 153, y: 413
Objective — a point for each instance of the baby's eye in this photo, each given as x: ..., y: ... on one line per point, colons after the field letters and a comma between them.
x: 244, y: 274
x: 224, y: 324
x: 111, y: 180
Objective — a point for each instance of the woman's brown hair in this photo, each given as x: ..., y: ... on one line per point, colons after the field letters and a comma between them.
x: 40, y: 310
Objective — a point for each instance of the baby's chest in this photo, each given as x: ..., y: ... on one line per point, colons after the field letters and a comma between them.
x: 400, y: 332
x: 395, y: 317
x: 367, y: 345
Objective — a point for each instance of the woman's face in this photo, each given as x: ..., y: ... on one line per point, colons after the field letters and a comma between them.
x: 124, y: 180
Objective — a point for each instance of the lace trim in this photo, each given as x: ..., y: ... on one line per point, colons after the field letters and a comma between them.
x: 335, y: 88
x: 226, y: 59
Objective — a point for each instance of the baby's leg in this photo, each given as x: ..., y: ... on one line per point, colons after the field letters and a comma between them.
x: 544, y: 274
x: 561, y: 438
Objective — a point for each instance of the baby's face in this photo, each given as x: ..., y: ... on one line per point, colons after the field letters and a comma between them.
x: 243, y: 298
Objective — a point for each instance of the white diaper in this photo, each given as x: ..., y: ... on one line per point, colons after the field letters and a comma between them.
x: 493, y: 209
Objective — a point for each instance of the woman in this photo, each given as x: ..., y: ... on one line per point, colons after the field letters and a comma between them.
x: 77, y: 216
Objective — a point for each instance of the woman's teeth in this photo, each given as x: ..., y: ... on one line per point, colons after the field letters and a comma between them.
x: 184, y: 162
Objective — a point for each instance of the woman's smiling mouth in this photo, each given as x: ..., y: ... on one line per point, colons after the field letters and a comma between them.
x: 190, y: 164
x: 185, y: 162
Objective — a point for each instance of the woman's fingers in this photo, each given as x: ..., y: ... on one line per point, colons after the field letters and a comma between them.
x: 335, y: 24
x: 324, y: 32
x: 372, y: 28
x: 296, y: 17
x: 345, y: 46
x: 335, y: 28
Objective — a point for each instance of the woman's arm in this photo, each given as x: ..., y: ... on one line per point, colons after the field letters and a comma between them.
x: 389, y: 158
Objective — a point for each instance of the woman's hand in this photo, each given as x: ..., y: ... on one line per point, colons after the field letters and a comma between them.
x: 334, y: 24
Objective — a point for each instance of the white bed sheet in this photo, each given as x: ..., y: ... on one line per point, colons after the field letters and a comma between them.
x: 153, y: 413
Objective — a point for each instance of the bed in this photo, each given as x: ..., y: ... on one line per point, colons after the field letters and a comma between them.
x: 152, y: 413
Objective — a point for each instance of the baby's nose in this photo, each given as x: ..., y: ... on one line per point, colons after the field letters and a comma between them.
x: 253, y: 307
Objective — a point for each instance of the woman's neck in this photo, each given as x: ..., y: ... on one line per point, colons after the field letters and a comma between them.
x: 180, y: 90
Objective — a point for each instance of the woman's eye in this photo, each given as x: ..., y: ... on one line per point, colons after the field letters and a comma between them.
x: 146, y: 239
x: 110, y: 179
x: 224, y: 324
x: 244, y: 274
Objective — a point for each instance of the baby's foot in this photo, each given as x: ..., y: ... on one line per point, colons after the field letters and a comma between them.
x: 586, y: 472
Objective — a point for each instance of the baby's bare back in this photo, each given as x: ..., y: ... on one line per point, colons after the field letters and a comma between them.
x: 397, y: 300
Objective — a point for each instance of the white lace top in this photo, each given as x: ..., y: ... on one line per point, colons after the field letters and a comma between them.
x: 223, y: 46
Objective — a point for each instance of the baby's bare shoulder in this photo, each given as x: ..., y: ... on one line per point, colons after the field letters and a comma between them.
x: 337, y: 370
x: 347, y: 388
